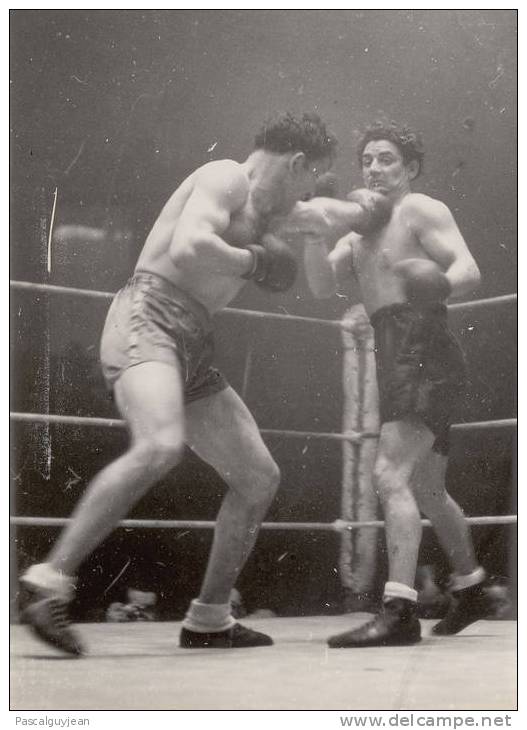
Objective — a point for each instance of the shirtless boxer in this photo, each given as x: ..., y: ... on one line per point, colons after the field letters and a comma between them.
x: 156, y: 353
x: 406, y: 270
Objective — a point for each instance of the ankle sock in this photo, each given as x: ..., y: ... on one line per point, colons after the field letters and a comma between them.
x: 46, y: 579
x: 208, y: 617
x: 392, y: 589
x: 458, y: 582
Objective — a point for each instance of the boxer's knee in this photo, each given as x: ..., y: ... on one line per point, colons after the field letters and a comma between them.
x: 432, y: 499
x: 258, y: 485
x: 390, y: 480
x: 161, y: 450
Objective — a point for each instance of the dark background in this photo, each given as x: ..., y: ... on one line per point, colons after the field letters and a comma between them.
x: 110, y: 110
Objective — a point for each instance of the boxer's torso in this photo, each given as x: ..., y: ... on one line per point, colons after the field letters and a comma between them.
x: 212, y: 290
x: 375, y: 256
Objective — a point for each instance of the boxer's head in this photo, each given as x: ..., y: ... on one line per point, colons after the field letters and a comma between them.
x: 390, y: 156
x: 305, y: 150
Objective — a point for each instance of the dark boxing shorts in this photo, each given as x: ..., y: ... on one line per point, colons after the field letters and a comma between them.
x: 420, y: 367
x: 150, y: 319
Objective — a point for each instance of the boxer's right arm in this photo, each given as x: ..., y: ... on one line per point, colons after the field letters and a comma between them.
x: 218, y: 192
x: 341, y: 259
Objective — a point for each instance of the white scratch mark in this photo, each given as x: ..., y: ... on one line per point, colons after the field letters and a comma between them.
x: 499, y: 73
x: 73, y: 481
x: 73, y: 162
x: 212, y: 147
x: 51, y: 229
x: 114, y: 581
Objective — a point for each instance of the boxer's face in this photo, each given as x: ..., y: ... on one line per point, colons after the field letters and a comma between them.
x: 384, y: 169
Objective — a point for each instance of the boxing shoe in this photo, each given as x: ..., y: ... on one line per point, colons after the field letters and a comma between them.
x: 47, y: 613
x: 49, y: 620
x: 396, y: 625
x: 466, y: 606
x: 237, y: 637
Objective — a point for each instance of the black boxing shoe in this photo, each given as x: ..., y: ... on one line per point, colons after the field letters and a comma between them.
x: 466, y: 606
x: 237, y: 637
x: 396, y: 625
x: 49, y: 620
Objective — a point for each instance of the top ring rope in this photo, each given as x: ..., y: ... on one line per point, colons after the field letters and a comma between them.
x: 251, y: 313
x: 91, y: 293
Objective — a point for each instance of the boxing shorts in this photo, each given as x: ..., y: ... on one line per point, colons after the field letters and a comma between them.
x: 421, y: 369
x: 151, y: 319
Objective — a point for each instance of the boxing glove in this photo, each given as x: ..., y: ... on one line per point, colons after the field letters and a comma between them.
x: 375, y: 210
x: 274, y: 265
x: 326, y: 186
x: 423, y: 280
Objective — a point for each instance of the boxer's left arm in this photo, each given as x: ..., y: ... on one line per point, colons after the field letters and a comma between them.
x: 364, y: 213
x: 307, y: 229
x: 437, y: 231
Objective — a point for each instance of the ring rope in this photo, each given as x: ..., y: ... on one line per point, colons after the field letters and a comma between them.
x: 350, y: 436
x: 336, y: 526
x: 93, y: 294
x: 251, y: 313
x: 478, y: 303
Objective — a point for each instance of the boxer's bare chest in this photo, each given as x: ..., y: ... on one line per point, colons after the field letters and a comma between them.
x: 374, y: 258
x: 246, y: 227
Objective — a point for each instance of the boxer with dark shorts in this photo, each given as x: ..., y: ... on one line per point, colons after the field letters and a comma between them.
x: 406, y: 269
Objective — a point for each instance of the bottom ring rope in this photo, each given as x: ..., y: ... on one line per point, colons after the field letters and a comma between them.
x: 336, y: 526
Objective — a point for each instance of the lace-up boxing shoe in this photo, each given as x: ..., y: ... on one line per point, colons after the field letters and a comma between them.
x: 466, y: 606
x: 48, y: 618
x: 396, y: 625
x: 237, y: 637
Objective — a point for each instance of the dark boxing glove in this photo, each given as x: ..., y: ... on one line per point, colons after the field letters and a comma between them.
x: 424, y: 282
x: 274, y: 265
x: 375, y: 210
x: 326, y: 186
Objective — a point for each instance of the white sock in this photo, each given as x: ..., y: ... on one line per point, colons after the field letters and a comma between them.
x: 45, y: 579
x: 458, y: 581
x: 208, y: 617
x: 399, y: 590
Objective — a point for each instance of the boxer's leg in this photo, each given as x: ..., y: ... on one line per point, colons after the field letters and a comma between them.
x: 402, y: 445
x: 223, y: 433
x: 150, y: 399
x: 470, y: 599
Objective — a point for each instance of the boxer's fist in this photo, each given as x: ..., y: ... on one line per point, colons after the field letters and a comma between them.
x: 274, y: 265
x: 424, y: 282
x: 375, y: 210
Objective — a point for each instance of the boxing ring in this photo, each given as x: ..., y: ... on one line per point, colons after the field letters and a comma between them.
x: 139, y: 666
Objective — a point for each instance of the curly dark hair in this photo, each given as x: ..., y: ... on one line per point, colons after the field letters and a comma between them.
x: 406, y: 139
x: 288, y: 133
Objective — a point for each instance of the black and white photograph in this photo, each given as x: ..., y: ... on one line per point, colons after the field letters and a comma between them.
x: 263, y: 364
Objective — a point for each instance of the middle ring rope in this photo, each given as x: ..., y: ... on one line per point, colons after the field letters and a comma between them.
x: 336, y: 526
x: 352, y: 436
